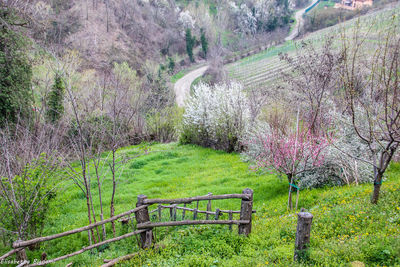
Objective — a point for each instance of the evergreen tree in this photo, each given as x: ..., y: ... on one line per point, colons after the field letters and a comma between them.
x: 204, y: 42
x: 171, y: 65
x: 15, y: 71
x: 55, y: 107
x: 189, y: 44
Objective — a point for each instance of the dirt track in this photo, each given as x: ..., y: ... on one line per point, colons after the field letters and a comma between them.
x: 182, y: 86
x: 299, y: 20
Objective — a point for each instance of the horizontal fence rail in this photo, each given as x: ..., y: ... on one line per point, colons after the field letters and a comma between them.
x: 74, y: 231
x: 87, y: 248
x: 192, y: 199
x: 190, y: 222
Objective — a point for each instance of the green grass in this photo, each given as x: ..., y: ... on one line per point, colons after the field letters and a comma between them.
x: 346, y: 227
x: 323, y: 4
x: 179, y: 75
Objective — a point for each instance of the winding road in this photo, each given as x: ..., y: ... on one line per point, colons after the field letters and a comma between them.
x: 182, y: 86
x: 299, y: 20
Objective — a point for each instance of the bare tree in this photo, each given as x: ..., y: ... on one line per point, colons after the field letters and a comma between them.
x: 370, y: 76
x: 124, y: 107
x: 312, y: 79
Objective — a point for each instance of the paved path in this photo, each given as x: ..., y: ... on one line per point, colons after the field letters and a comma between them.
x: 182, y: 86
x: 299, y: 20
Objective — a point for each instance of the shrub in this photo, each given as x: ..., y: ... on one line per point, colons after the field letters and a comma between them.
x: 216, y: 117
x: 36, y: 181
x: 339, y: 167
x: 162, y: 125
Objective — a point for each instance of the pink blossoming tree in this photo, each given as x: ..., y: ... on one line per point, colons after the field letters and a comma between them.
x: 289, y: 153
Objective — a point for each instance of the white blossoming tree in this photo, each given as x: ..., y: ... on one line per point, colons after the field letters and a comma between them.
x: 216, y: 117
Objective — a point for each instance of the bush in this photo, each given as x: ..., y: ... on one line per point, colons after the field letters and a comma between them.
x: 162, y: 125
x: 216, y: 117
x: 32, y: 191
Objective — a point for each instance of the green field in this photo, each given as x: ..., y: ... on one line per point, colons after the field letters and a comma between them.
x: 346, y: 226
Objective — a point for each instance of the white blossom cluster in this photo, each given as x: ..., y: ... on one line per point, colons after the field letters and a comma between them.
x: 246, y: 21
x: 186, y: 20
x: 347, y: 161
x: 259, y: 13
x: 217, y: 116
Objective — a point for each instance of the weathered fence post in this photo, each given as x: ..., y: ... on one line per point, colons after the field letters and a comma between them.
x: 174, y: 213
x: 304, y: 220
x: 183, y: 212
x: 217, y: 211
x: 246, y: 211
x: 142, y: 216
x: 171, y: 213
x: 159, y: 209
x: 208, y: 206
x: 230, y: 218
x: 21, y: 255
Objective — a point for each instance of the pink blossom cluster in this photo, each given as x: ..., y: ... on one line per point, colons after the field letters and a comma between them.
x: 292, y: 153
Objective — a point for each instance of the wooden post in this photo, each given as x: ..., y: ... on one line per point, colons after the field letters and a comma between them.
x: 230, y: 218
x: 304, y: 221
x: 217, y: 214
x: 159, y: 208
x: 142, y: 216
x: 246, y: 211
x: 195, y: 214
x: 183, y: 212
x: 174, y: 213
x: 208, y: 206
x: 21, y: 255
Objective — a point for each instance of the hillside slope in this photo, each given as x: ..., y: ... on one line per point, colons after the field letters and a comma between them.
x: 264, y: 70
x: 346, y: 227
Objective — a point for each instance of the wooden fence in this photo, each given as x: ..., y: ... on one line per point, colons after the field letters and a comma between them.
x: 145, y: 225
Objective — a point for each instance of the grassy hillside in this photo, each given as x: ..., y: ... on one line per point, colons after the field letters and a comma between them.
x: 346, y: 226
x: 263, y: 70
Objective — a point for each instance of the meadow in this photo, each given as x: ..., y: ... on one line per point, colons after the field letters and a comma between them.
x: 346, y: 227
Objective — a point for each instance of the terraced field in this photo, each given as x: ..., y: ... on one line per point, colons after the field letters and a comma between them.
x: 264, y: 69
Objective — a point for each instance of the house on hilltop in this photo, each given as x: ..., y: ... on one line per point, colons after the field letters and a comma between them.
x: 353, y: 4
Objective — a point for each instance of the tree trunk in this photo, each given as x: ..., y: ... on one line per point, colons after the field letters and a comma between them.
x: 290, y: 202
x: 113, y: 192
x: 377, y: 187
x: 100, y: 199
